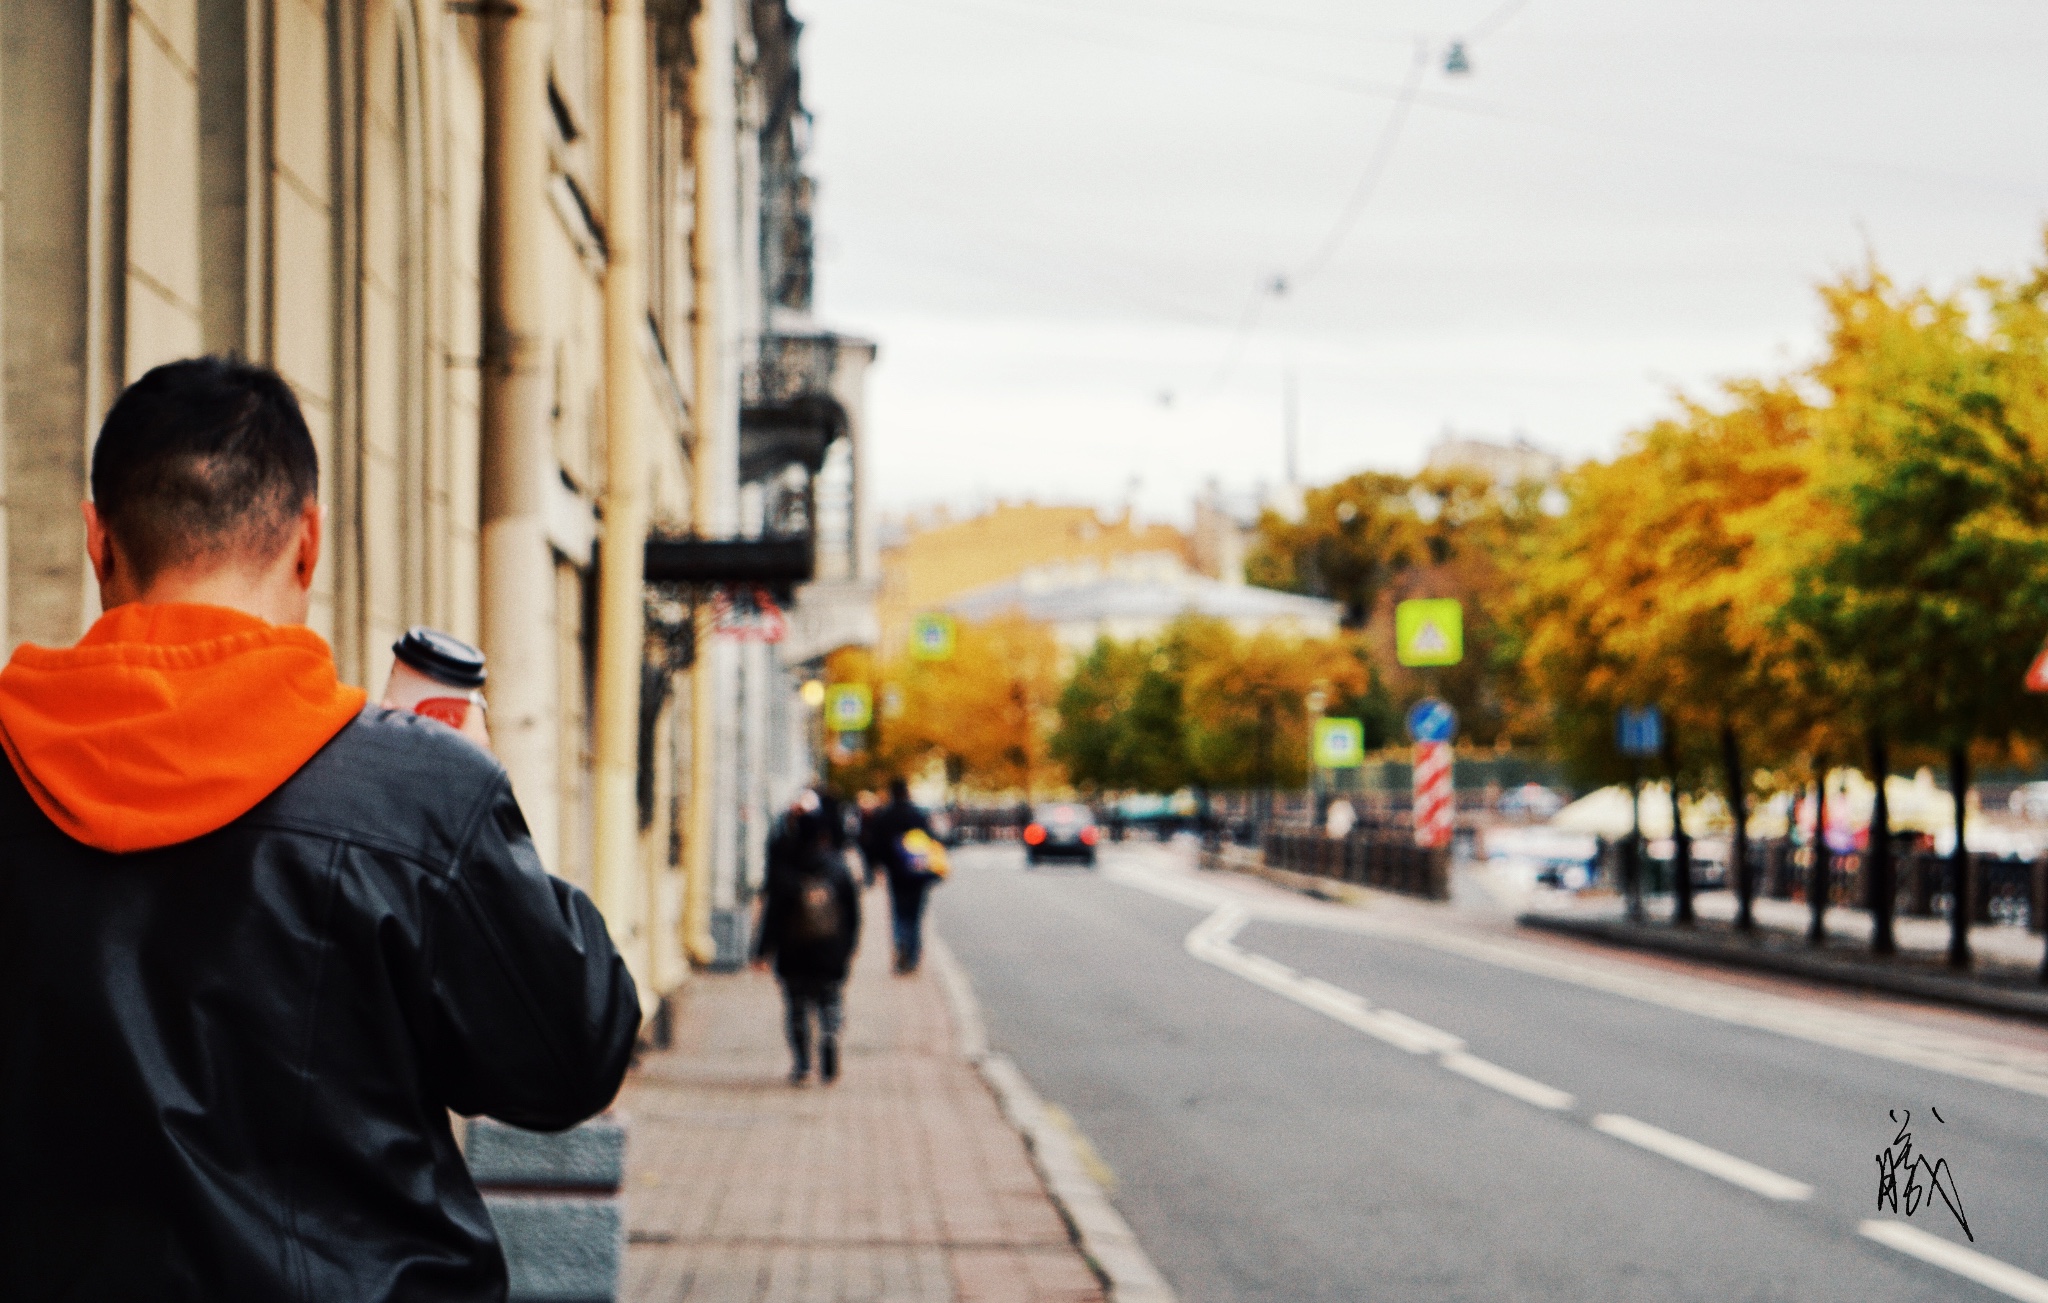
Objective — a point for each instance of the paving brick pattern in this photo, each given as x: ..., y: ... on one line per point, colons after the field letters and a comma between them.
x: 902, y: 1183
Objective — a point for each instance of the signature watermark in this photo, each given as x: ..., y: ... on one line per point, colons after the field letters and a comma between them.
x: 1914, y: 1179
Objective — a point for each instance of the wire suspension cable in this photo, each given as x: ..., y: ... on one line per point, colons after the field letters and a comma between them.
x: 1375, y: 169
x: 1368, y: 182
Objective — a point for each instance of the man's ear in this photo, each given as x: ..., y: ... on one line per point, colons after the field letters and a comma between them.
x: 99, y: 544
x: 307, y: 558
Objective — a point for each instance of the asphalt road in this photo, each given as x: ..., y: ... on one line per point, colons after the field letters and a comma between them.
x: 1264, y: 1148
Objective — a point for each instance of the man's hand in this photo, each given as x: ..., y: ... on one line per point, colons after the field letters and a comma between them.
x: 759, y: 964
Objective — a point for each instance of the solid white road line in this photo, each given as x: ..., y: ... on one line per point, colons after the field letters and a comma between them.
x: 1506, y: 1082
x: 1211, y: 943
x: 1967, y: 1263
x: 1735, y: 1171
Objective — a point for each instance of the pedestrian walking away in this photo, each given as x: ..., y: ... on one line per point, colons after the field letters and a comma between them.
x: 810, y: 927
x: 872, y: 860
x: 910, y: 880
x: 256, y: 939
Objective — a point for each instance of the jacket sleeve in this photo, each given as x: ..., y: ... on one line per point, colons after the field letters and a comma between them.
x: 536, y: 1016
x: 770, y: 935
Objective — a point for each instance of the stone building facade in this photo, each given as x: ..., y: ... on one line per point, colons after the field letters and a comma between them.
x: 518, y: 259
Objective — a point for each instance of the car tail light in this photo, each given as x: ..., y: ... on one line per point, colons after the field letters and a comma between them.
x: 1034, y: 835
x: 1088, y: 836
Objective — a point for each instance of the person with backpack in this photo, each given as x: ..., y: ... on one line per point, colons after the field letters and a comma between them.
x: 810, y: 927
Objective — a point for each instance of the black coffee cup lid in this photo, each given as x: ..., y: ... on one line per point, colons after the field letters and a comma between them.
x: 440, y: 657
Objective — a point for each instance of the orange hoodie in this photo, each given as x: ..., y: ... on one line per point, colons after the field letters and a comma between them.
x: 167, y: 721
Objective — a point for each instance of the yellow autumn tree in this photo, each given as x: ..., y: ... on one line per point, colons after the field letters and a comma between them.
x: 988, y: 711
x: 1644, y: 594
x: 1245, y: 704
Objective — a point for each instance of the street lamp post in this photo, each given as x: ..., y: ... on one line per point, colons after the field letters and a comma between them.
x: 1316, y: 701
x: 1632, y: 849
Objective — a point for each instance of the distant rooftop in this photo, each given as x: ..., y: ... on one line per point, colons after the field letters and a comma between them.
x: 1506, y: 464
x: 1159, y: 591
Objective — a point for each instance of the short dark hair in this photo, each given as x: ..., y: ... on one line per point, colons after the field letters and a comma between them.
x: 899, y: 791
x: 207, y: 457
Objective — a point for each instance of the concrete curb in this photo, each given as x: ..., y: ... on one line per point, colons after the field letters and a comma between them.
x: 1104, y: 1237
x: 1961, y: 992
x: 1308, y: 884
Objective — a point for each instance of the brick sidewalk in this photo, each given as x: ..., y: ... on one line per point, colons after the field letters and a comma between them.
x: 903, y: 1182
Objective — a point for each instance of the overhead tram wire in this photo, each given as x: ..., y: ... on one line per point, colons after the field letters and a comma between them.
x: 1488, y: 25
x: 1375, y: 169
x: 1185, y: 16
x: 1368, y: 182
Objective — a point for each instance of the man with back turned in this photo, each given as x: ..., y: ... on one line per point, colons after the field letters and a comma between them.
x: 256, y: 940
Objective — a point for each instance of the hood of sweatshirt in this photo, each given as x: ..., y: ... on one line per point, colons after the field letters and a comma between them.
x: 167, y: 721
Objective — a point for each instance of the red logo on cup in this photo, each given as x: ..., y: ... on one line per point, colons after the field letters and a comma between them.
x: 451, y: 711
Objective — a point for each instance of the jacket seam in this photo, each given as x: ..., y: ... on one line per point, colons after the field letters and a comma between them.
x: 295, y: 1243
x: 440, y: 867
x: 448, y: 866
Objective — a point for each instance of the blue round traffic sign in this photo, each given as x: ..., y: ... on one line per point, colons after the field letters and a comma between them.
x: 1431, y: 720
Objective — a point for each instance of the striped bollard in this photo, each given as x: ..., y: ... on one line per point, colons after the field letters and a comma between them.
x: 1434, y: 806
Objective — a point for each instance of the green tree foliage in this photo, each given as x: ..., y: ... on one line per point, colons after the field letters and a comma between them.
x: 1201, y: 706
x: 1919, y: 567
x: 1818, y: 568
x: 1353, y: 539
x: 1643, y: 592
x: 1120, y: 718
x: 1373, y: 539
x: 1921, y: 559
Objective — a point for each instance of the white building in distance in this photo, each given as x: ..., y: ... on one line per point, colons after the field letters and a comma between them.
x: 1138, y: 596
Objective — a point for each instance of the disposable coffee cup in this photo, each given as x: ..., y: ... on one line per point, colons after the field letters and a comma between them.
x: 441, y: 677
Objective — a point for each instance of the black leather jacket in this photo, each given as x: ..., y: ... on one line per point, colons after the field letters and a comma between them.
x: 226, y: 1066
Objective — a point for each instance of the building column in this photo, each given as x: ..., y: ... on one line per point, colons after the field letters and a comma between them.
x: 62, y: 194
x: 621, y: 603
x: 715, y: 456
x: 516, y: 615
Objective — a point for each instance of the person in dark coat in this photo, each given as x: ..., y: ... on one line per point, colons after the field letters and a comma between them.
x: 908, y: 885
x: 256, y: 939
x: 810, y: 928
x: 873, y: 862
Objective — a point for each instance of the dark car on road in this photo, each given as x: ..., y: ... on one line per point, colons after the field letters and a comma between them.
x: 1061, y: 832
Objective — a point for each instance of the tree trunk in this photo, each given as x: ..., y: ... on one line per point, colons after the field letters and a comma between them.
x: 1819, y: 873
x: 1632, y: 847
x: 1738, y: 843
x: 1681, y: 841
x: 1880, y: 883
x: 1959, y: 862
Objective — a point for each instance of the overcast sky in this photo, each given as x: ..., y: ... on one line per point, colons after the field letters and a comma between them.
x: 1057, y: 216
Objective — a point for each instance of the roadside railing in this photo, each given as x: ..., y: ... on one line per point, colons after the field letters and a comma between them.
x: 1372, y: 859
x: 2002, y: 889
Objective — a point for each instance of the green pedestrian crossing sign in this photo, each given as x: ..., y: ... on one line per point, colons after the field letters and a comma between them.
x: 849, y: 707
x: 1429, y: 631
x: 932, y: 637
x: 1340, y: 743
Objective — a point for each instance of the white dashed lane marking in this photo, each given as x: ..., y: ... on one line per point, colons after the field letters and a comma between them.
x: 1213, y: 942
x: 1527, y: 1090
x: 1967, y: 1263
x: 1735, y: 1171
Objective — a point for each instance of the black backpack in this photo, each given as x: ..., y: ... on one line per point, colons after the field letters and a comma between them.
x: 816, y: 913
